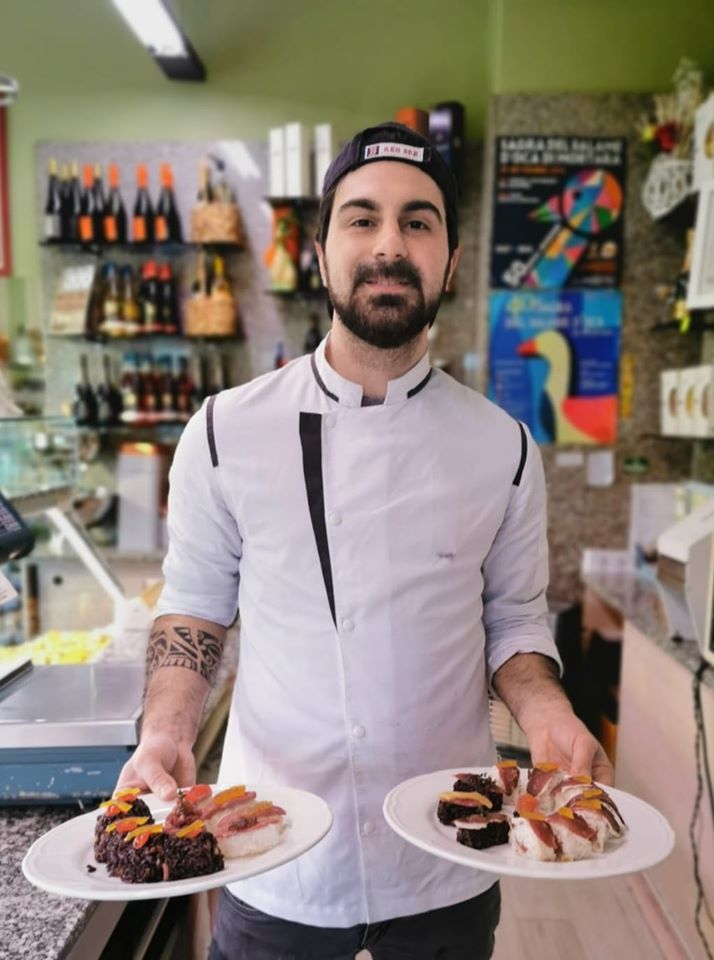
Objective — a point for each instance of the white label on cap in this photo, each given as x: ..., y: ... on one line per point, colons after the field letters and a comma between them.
x: 401, y: 150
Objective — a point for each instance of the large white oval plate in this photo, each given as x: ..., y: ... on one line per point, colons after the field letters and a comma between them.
x: 410, y: 810
x: 57, y: 862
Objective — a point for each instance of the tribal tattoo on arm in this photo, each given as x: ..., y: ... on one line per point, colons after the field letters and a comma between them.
x: 181, y: 646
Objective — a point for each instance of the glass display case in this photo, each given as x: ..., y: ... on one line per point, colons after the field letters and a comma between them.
x: 38, y: 461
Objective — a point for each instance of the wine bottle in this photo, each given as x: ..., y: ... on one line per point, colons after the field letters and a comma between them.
x: 130, y: 305
x: 74, y: 204
x: 143, y: 221
x: 185, y: 390
x: 205, y: 188
x: 168, y: 222
x: 86, y: 206
x: 168, y: 311
x: 111, y: 323
x: 313, y: 335
x: 84, y: 408
x: 220, y: 288
x: 115, y: 213
x: 129, y: 388
x: 53, y: 206
x: 99, y: 204
x: 113, y: 392
x: 65, y: 204
x: 167, y: 389
x: 147, y: 391
x: 149, y: 297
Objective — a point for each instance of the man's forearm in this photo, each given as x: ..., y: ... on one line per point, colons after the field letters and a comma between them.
x: 182, y: 661
x: 529, y: 686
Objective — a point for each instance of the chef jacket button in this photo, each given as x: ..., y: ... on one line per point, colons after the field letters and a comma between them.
x: 331, y: 419
x: 367, y: 828
x: 347, y: 625
x: 335, y: 519
x: 358, y: 731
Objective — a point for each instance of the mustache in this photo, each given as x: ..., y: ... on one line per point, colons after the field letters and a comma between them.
x: 399, y: 271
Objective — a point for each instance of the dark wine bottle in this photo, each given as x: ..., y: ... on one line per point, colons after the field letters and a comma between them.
x: 74, y: 204
x: 86, y: 206
x: 168, y: 310
x: 115, y: 213
x: 84, y: 408
x: 149, y: 298
x: 99, y: 203
x: 167, y: 227
x: 53, y: 206
x: 143, y: 221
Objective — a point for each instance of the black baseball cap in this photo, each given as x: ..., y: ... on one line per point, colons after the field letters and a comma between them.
x: 394, y: 141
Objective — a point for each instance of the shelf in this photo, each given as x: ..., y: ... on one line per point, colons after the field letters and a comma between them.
x: 127, y: 429
x: 104, y: 339
x: 293, y: 201
x: 98, y: 249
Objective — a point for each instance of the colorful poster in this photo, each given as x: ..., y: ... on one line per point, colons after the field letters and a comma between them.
x: 553, y: 362
x: 558, y: 212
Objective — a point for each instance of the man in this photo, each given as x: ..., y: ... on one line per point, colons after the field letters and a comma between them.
x: 388, y: 526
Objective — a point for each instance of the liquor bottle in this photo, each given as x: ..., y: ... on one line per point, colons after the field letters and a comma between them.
x: 86, y: 206
x: 280, y: 358
x: 129, y: 388
x: 143, y: 222
x: 185, y: 390
x: 113, y: 392
x: 111, y: 324
x: 74, y: 204
x: 167, y: 389
x: 168, y: 309
x: 314, y: 278
x: 130, y: 306
x: 53, y: 206
x: 147, y: 389
x: 167, y: 223
x: 313, y: 335
x: 149, y: 297
x: 65, y: 204
x: 100, y: 203
x: 205, y: 188
x: 196, y: 377
x: 106, y: 411
x: 84, y: 408
x: 220, y: 287
x: 95, y: 305
x: 114, y: 214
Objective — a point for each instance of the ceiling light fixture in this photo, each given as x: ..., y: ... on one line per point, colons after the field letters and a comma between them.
x: 155, y: 26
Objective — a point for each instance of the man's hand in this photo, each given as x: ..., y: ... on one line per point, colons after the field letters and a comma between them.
x: 529, y: 686
x: 159, y: 765
x: 563, y: 739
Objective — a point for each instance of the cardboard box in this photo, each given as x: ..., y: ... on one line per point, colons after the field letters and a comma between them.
x: 276, y: 150
x: 298, y: 181
x: 324, y: 144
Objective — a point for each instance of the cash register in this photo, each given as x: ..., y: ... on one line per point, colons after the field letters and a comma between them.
x: 685, y: 572
x: 65, y: 731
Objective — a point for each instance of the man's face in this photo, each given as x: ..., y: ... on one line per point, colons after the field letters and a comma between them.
x: 386, y: 257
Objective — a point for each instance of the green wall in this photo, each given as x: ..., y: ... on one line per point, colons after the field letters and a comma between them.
x: 84, y: 77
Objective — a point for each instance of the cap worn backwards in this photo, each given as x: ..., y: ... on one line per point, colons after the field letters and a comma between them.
x: 394, y: 141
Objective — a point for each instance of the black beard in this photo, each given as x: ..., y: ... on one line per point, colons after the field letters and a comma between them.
x: 387, y: 320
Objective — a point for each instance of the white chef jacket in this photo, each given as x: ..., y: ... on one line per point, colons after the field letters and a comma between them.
x: 386, y: 561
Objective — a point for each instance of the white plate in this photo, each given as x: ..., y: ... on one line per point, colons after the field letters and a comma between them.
x: 410, y: 810
x: 57, y: 862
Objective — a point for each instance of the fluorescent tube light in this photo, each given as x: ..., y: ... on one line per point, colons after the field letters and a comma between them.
x: 154, y: 25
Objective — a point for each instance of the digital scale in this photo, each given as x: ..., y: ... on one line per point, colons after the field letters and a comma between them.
x: 65, y: 731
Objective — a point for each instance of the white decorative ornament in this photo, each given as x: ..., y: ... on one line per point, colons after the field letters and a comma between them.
x: 9, y: 90
x: 667, y: 184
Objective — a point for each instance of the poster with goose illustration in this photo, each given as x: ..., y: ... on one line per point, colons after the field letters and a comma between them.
x: 553, y: 362
x: 558, y: 212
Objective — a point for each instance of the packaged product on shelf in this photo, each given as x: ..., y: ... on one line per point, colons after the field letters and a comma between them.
x: 282, y: 256
x: 53, y: 221
x: 70, y: 301
x: 98, y: 205
x: 130, y: 306
x: 149, y: 298
x: 211, y: 313
x: 84, y: 406
x: 168, y: 307
x: 215, y: 218
x: 86, y: 206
